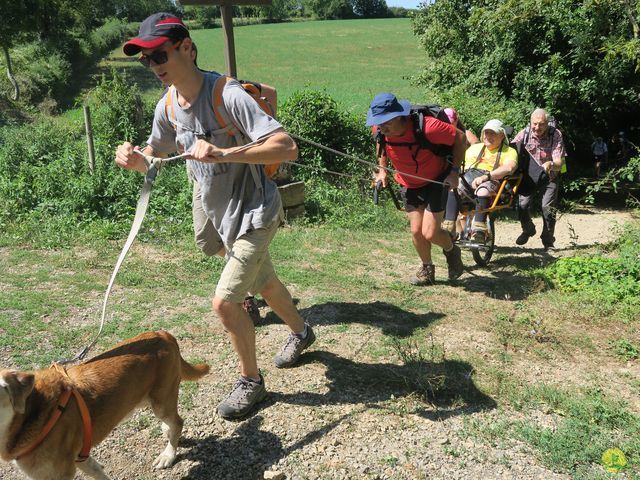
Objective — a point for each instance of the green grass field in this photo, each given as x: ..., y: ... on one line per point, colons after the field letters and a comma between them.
x: 352, y: 60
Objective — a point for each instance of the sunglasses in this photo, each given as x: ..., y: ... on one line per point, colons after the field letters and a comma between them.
x: 158, y: 57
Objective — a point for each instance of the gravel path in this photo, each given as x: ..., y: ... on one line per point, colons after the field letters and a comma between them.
x: 338, y: 415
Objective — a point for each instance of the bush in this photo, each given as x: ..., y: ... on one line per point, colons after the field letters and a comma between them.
x: 602, y: 280
x: 349, y: 207
x: 41, y: 71
x: 315, y: 116
x: 44, y: 170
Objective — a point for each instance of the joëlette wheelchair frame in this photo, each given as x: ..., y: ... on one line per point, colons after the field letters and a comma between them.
x: 503, y: 198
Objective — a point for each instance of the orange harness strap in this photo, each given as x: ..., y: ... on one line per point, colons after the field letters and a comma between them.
x: 87, y: 427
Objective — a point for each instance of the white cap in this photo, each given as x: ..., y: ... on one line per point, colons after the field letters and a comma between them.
x: 497, y: 126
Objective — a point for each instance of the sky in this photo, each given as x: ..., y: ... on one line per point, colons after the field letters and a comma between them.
x: 403, y: 3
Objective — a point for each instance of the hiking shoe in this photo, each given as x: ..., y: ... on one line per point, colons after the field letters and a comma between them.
x: 425, y: 276
x: 250, y: 305
x: 548, y: 246
x: 291, y: 350
x: 454, y: 262
x: 244, y: 396
x: 525, y: 236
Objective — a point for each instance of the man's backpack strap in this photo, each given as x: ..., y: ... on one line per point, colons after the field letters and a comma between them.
x: 168, y: 105
x: 263, y: 95
x: 220, y: 112
x: 417, y: 117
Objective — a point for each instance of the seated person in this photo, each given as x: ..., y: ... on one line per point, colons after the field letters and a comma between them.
x: 490, y: 160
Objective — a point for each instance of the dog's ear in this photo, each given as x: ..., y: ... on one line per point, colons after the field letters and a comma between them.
x: 19, y: 385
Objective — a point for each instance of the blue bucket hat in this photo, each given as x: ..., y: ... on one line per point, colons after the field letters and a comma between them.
x: 386, y: 106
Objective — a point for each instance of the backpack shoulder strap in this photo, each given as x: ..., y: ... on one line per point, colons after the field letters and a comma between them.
x: 381, y: 142
x: 421, y: 138
x: 168, y: 105
x: 220, y: 111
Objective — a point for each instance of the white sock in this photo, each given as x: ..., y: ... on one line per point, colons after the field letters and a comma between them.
x: 304, y: 332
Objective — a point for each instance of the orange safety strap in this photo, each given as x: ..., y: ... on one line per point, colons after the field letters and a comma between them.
x: 168, y: 106
x: 218, y: 104
x: 55, y: 416
x: 62, y: 404
x: 87, y: 427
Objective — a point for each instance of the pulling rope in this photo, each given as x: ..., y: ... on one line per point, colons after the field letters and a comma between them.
x: 153, y: 167
x: 154, y: 164
x: 365, y: 162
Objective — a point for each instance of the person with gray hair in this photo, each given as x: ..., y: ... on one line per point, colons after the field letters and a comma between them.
x: 542, y: 154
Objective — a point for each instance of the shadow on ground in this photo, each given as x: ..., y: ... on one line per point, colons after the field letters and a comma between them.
x: 508, y: 275
x: 446, y: 387
x: 390, y: 319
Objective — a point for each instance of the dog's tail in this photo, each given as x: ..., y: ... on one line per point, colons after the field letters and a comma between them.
x: 192, y: 372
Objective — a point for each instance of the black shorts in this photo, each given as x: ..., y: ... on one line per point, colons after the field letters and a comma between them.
x: 431, y: 197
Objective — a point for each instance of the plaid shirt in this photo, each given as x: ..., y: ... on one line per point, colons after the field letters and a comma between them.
x: 544, y: 149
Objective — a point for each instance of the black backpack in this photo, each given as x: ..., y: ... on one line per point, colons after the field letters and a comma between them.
x: 417, y: 114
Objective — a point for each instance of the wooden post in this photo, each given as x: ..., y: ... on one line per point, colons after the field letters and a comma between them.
x: 89, y: 132
x: 226, y: 10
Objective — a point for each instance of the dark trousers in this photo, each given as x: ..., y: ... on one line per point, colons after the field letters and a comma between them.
x: 549, y: 190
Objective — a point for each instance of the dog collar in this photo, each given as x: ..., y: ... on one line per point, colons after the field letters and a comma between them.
x: 55, y: 416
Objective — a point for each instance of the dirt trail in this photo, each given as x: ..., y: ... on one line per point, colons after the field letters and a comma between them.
x: 341, y: 414
x: 584, y: 228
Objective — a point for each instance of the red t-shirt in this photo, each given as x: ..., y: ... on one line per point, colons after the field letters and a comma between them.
x: 426, y: 164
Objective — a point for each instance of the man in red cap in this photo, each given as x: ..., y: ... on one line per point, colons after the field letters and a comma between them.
x: 241, y: 202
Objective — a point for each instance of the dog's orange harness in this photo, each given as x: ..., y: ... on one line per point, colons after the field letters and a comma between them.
x: 87, y: 427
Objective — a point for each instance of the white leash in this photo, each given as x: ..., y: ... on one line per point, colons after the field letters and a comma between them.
x: 153, y: 167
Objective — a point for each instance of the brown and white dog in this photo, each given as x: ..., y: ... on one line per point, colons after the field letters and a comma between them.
x: 145, y: 370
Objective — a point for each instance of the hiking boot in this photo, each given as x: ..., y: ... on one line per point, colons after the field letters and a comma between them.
x: 479, y: 232
x: 548, y: 245
x: 454, y: 262
x: 291, y: 350
x: 244, y: 396
x: 425, y: 276
x: 526, y: 235
x: 250, y: 305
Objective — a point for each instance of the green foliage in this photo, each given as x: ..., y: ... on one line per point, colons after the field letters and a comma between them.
x: 41, y: 71
x: 315, y: 116
x: 348, y: 206
x: 600, y: 279
x: 615, y: 180
x: 589, y: 424
x: 625, y: 348
x: 44, y: 170
x: 560, y: 55
x: 330, y: 9
x: 371, y: 8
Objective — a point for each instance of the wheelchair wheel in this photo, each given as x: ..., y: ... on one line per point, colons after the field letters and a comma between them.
x: 483, y: 254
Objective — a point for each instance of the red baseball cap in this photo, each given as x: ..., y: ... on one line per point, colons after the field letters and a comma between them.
x: 154, y: 31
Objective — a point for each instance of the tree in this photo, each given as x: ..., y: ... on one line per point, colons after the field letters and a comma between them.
x: 370, y: 8
x: 280, y: 10
x: 577, y: 59
x: 330, y: 9
x: 17, y: 24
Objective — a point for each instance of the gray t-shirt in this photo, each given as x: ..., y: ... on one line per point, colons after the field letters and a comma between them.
x: 234, y: 198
